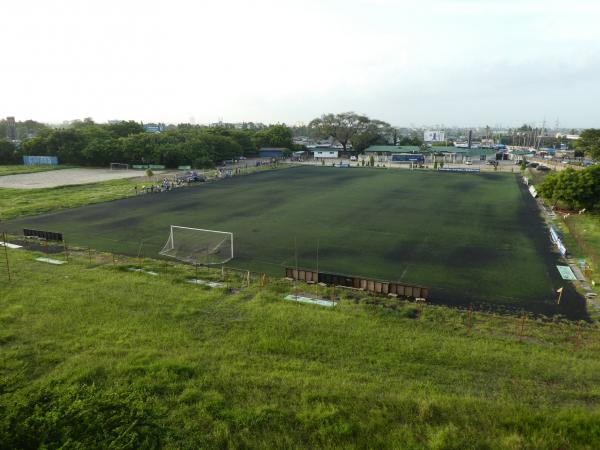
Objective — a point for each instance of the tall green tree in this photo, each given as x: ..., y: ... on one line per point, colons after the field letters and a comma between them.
x: 242, y: 137
x: 374, y: 132
x: 274, y: 136
x: 125, y: 128
x: 589, y: 143
x: 8, y: 152
x: 342, y: 127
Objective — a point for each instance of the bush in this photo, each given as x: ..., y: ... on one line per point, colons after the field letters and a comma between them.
x: 573, y: 188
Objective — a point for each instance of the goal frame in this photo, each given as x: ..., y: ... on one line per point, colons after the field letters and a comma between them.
x: 112, y: 166
x: 171, y: 227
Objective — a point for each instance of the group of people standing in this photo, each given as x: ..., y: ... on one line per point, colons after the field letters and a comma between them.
x: 166, y: 185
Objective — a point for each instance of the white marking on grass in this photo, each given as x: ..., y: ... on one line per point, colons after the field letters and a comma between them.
x: 148, y: 272
x: 9, y: 245
x: 312, y: 301
x: 211, y: 284
x: 51, y: 261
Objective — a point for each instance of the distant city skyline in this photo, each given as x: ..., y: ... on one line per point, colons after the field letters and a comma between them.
x: 462, y: 63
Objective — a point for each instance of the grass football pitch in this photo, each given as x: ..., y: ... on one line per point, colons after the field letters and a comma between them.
x: 470, y: 238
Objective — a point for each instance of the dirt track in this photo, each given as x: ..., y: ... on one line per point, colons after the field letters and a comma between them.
x: 64, y: 177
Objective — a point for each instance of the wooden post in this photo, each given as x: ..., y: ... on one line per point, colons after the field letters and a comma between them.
x: 66, y: 250
x: 248, y: 278
x: 420, y: 306
x: 296, y: 264
x: 470, y: 319
x: 560, y: 292
x: 317, y: 281
x: 578, y: 337
x: 522, y: 328
x: 6, y: 257
x: 140, y: 255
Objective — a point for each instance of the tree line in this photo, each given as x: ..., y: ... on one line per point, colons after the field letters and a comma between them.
x: 89, y: 144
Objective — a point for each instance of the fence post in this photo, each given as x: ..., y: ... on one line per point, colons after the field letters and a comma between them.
x: 6, y: 257
x: 470, y: 319
x: 522, y: 328
x: 66, y: 250
x: 421, y: 303
x: 578, y: 337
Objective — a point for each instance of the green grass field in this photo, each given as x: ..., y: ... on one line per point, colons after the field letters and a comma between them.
x: 94, y: 356
x: 471, y: 238
x: 21, y: 202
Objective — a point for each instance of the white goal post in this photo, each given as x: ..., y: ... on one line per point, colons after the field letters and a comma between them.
x: 198, y: 246
x: 119, y: 166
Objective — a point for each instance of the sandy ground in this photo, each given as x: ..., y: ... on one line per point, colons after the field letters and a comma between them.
x: 64, y: 177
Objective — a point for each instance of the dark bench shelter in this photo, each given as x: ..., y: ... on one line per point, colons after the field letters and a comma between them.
x: 272, y: 152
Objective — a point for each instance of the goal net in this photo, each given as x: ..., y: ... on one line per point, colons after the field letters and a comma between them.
x: 198, y: 246
x: 119, y: 166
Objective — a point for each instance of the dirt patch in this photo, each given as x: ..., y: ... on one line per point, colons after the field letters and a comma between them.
x: 65, y: 177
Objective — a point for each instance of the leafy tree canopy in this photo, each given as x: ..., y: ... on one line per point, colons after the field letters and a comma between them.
x: 573, y: 188
x: 589, y: 143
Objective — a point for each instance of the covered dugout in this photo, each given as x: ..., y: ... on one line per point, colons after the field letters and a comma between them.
x: 273, y: 152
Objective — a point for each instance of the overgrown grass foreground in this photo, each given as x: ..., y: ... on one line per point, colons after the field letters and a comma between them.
x: 95, y: 356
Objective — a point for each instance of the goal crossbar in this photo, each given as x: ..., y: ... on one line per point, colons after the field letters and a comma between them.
x: 198, y: 245
x: 115, y: 166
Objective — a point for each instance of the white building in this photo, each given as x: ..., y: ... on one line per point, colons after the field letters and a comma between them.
x: 325, y: 153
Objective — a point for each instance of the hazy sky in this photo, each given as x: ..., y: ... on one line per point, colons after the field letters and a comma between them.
x: 451, y: 62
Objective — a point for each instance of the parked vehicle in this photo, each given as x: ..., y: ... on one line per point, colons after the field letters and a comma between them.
x: 353, y: 158
x: 193, y: 177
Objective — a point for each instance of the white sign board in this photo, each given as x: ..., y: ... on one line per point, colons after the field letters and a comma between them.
x: 434, y: 136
